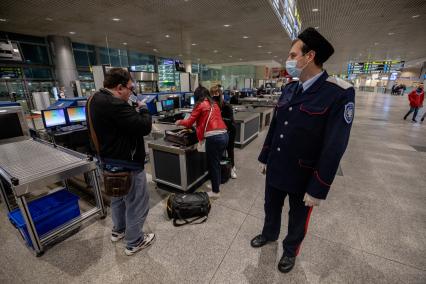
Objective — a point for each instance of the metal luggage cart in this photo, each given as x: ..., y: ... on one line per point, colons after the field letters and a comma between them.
x: 30, y: 164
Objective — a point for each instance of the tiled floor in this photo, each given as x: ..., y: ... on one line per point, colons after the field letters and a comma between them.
x: 371, y: 229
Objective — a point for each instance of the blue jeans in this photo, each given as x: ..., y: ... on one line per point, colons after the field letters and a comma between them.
x: 215, y: 146
x: 412, y: 109
x: 130, y: 211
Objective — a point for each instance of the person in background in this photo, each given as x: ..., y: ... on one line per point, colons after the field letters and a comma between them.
x: 228, y: 118
x: 62, y: 92
x: 120, y: 128
x: 210, y: 126
x: 416, y: 98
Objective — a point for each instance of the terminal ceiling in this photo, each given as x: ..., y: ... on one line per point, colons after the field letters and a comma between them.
x: 195, y: 29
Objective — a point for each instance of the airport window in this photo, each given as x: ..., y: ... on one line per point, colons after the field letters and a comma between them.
x: 84, y: 54
x: 37, y: 73
x: 26, y: 38
x: 114, y: 57
x: 84, y: 58
x: 141, y: 62
x: 35, y: 54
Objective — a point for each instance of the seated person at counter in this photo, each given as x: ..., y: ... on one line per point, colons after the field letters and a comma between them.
x: 228, y: 117
x: 210, y: 126
x: 119, y: 130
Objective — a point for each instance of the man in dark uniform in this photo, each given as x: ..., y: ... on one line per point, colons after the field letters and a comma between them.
x: 308, y: 135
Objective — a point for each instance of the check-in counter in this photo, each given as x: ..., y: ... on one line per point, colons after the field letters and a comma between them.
x: 265, y: 116
x: 247, y: 124
x: 175, y: 167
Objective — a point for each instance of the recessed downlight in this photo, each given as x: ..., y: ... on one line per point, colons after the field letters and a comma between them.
x: 124, y: 43
x: 48, y: 19
x: 391, y: 33
x: 215, y: 51
x: 116, y: 19
x: 259, y: 46
x: 415, y: 16
x: 3, y: 20
x: 193, y: 44
x: 226, y: 26
x: 245, y: 37
x: 167, y: 36
x: 72, y: 33
x: 315, y: 10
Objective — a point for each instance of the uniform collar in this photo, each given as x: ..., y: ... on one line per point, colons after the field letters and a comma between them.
x: 306, y: 95
x: 311, y: 81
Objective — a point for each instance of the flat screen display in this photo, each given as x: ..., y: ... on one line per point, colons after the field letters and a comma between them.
x: 10, y: 126
x: 192, y: 101
x: 168, y: 105
x: 53, y: 117
x: 76, y: 114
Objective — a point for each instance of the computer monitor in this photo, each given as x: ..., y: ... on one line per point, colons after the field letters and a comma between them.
x: 76, y: 114
x: 168, y: 105
x: 159, y: 106
x: 192, y: 101
x: 11, y: 126
x: 53, y: 117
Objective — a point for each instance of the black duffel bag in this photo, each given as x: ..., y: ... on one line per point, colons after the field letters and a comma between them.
x: 184, y: 206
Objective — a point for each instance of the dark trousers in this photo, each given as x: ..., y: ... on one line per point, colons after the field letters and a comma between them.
x: 412, y: 109
x: 299, y: 215
x: 215, y: 146
x: 231, y: 145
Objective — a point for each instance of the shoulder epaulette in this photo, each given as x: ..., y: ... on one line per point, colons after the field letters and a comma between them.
x: 339, y: 82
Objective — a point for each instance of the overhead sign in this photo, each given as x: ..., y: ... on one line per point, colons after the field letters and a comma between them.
x: 288, y: 15
x: 10, y: 72
x: 372, y: 67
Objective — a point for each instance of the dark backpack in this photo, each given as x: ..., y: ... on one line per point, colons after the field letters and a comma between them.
x: 183, y: 206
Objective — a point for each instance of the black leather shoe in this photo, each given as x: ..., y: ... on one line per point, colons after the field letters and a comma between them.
x: 259, y: 241
x: 286, y: 263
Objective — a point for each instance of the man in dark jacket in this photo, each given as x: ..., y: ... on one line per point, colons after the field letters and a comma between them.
x: 308, y: 135
x: 120, y: 128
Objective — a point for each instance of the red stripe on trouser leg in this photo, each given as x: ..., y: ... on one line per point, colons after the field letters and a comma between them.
x: 306, y: 229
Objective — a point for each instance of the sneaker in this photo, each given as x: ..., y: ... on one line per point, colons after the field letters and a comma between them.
x: 116, y: 236
x: 234, y: 173
x: 413, y: 120
x: 423, y: 119
x: 147, y: 240
x: 213, y: 195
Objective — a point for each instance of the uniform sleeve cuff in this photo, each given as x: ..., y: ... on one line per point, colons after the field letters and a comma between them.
x: 263, y: 157
x: 317, y: 187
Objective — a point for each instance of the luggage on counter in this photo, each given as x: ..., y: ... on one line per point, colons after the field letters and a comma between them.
x: 225, y: 168
x: 184, y: 137
x: 184, y: 206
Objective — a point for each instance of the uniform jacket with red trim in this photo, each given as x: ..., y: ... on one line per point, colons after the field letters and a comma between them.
x: 308, y: 136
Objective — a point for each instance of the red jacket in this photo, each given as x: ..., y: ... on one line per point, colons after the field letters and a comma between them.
x: 200, y: 114
x: 415, y: 99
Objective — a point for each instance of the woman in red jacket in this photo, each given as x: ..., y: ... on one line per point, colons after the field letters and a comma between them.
x: 210, y: 126
x: 416, y: 98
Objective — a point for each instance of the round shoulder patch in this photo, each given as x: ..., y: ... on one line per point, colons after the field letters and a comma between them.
x: 349, y: 112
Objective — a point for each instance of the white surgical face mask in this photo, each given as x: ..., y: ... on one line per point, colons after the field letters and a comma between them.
x: 292, y: 69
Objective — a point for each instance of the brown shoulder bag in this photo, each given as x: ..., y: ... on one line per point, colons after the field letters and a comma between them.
x: 116, y: 184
